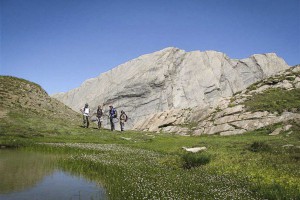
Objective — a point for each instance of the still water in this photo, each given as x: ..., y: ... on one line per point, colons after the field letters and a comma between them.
x: 35, y: 176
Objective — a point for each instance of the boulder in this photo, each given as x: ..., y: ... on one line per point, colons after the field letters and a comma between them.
x: 284, y: 85
x: 276, y: 131
x: 218, y: 128
x: 227, y: 119
x: 230, y: 111
x: 287, y: 127
x: 288, y: 146
x: 260, y: 89
x: 255, y: 115
x: 234, y: 132
x: 194, y: 149
x: 251, y: 124
x: 296, y: 69
x: 198, y: 131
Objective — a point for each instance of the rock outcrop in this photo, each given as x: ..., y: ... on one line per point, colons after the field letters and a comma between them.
x: 230, y: 116
x: 154, y: 89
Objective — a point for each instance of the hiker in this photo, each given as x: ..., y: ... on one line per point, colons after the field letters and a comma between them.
x: 112, y: 114
x: 99, y: 116
x: 123, y: 119
x: 86, y: 112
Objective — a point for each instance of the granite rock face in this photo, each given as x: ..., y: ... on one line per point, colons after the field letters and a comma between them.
x: 171, y: 79
x: 230, y: 116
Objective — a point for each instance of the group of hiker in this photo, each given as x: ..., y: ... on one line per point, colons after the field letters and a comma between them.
x: 112, y: 115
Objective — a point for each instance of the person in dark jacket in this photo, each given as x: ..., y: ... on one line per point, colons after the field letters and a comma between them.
x: 112, y: 114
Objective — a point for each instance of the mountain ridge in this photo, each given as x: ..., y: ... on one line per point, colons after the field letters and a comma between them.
x: 171, y: 79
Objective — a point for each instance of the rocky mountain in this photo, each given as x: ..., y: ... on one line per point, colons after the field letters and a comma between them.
x: 274, y: 100
x: 171, y: 80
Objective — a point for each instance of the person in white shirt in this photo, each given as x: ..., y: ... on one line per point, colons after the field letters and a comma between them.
x: 86, y: 112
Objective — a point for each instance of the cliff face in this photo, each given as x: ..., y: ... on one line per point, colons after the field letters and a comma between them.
x: 171, y: 79
x: 274, y: 100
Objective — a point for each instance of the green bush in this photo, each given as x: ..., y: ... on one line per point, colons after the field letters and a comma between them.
x: 259, y: 147
x: 191, y: 160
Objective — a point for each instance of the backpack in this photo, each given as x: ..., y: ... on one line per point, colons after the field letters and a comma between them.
x: 99, y: 112
x: 115, y: 113
x: 126, y: 117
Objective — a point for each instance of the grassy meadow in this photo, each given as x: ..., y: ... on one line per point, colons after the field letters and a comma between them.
x: 144, y: 165
x: 141, y: 165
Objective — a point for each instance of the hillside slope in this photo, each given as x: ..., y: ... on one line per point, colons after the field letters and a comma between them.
x: 25, y: 108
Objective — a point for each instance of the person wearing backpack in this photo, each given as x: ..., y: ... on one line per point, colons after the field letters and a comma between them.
x: 123, y: 119
x: 112, y: 114
x: 86, y: 112
x: 99, y: 116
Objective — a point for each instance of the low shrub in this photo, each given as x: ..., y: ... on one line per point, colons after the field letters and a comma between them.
x: 259, y: 147
x: 191, y: 160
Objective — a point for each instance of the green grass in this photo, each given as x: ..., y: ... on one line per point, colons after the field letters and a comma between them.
x: 253, y: 165
x: 154, y: 165
x: 275, y: 100
x: 261, y: 174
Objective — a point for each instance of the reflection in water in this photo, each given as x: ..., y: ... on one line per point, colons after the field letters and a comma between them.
x: 20, y: 170
x: 29, y: 175
x: 59, y: 185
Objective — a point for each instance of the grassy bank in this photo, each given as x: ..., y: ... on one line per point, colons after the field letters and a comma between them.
x: 135, y: 165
